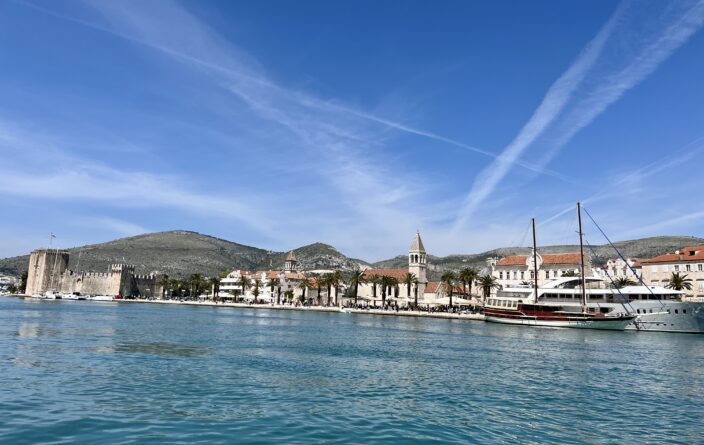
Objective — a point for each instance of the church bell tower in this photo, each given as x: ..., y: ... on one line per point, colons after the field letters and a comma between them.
x: 417, y: 260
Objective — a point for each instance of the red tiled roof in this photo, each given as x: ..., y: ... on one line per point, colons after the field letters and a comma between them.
x: 548, y: 258
x: 694, y: 253
x: 396, y: 273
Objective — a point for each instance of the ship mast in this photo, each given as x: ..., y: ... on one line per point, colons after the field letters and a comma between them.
x: 535, y: 263
x: 581, y: 258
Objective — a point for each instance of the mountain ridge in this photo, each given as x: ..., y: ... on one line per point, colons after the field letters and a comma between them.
x: 179, y: 253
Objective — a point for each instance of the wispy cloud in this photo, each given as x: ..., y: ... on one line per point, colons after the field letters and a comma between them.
x: 669, y: 33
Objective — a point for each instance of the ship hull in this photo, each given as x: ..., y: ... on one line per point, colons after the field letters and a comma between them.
x: 547, y: 319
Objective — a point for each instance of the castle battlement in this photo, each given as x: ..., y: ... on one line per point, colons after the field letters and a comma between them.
x: 118, y: 268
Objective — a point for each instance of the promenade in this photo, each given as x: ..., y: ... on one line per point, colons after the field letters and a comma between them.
x: 282, y: 307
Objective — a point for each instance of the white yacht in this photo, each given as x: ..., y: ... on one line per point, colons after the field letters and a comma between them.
x: 656, y: 308
x: 102, y: 298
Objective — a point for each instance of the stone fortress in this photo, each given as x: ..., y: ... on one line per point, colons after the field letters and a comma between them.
x: 48, y: 271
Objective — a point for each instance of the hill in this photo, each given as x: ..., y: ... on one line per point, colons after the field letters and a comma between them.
x: 180, y: 253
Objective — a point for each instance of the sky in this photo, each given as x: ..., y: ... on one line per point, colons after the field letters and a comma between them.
x: 277, y: 124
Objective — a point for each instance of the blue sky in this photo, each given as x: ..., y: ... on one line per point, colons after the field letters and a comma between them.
x: 278, y: 124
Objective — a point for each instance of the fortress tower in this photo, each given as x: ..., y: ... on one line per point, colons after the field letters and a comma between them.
x: 417, y: 261
x: 291, y: 264
x: 46, y: 267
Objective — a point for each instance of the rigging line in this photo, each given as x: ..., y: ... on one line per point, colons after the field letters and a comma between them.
x: 623, y: 297
x: 640, y: 278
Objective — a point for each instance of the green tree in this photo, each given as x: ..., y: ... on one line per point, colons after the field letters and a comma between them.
x: 244, y: 283
x: 375, y: 281
x: 336, y: 280
x: 620, y: 282
x: 448, y: 280
x: 197, y: 284
x: 319, y: 283
x: 387, y: 283
x: 408, y: 279
x: 679, y: 282
x: 288, y: 295
x: 164, y: 282
x: 303, y: 286
x: 256, y: 286
x: 12, y: 288
x: 327, y: 281
x: 272, y: 285
x: 355, y: 279
x: 214, y: 283
x: 467, y: 276
x: 487, y: 283
x: 23, y: 281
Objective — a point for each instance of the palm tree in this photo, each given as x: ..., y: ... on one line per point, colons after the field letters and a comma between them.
x: 215, y: 286
x: 375, y: 280
x: 243, y: 281
x: 415, y: 292
x: 408, y: 280
x: 175, y: 285
x: 325, y: 282
x: 164, y: 282
x: 255, y: 288
x: 288, y: 295
x: 272, y: 285
x: 448, y: 279
x: 318, y: 284
x: 197, y: 283
x: 467, y: 277
x: 620, y: 282
x: 387, y: 283
x: 303, y: 286
x: 335, y: 281
x: 679, y: 282
x: 487, y: 283
x: 355, y: 279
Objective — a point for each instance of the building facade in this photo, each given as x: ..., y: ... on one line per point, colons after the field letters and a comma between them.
x: 518, y: 269
x: 688, y: 261
x: 281, y: 281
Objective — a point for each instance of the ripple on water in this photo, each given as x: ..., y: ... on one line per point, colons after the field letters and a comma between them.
x: 174, y: 374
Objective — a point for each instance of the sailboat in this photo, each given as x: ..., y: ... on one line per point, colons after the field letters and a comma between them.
x: 531, y: 311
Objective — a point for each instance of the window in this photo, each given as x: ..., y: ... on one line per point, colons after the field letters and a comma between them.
x: 677, y: 267
x: 701, y: 285
x: 677, y: 311
x: 684, y: 311
x: 515, y: 275
x: 554, y: 274
x: 532, y: 274
x: 523, y: 275
x: 501, y: 275
x: 688, y: 268
x: 700, y: 267
x: 547, y: 274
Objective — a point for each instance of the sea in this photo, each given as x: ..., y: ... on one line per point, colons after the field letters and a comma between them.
x: 130, y: 373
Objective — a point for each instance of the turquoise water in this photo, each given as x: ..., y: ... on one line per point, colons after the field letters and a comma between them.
x: 86, y: 372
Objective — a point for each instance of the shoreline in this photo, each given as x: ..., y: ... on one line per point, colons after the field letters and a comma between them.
x: 334, y: 309
x: 280, y: 307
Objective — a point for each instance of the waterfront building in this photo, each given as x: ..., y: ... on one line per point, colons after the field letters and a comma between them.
x: 687, y: 261
x: 429, y: 292
x: 516, y: 270
x: 616, y: 268
x: 48, y: 271
x: 282, y: 280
